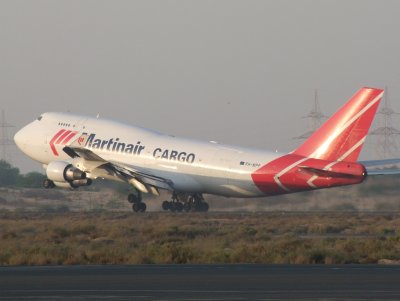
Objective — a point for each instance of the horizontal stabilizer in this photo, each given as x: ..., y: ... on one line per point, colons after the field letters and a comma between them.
x: 326, y: 173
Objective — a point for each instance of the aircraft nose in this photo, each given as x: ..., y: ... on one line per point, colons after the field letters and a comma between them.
x: 20, y: 138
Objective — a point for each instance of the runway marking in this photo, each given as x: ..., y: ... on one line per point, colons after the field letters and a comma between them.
x: 197, y: 291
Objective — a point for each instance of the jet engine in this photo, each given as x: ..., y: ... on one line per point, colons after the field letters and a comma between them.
x: 65, y: 175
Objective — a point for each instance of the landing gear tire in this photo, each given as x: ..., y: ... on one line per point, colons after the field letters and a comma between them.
x: 139, y: 207
x: 179, y: 206
x: 187, y: 206
x: 142, y: 207
x: 133, y: 198
x: 179, y: 203
x: 172, y: 206
x: 48, y: 184
x: 166, y: 205
x: 136, y: 201
x: 204, y: 207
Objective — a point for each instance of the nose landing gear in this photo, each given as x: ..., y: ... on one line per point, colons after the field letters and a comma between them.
x: 48, y: 184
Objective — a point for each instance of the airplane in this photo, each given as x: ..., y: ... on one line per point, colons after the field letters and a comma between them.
x: 75, y: 150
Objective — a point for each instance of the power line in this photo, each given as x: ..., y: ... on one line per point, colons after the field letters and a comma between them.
x: 315, y: 117
x: 386, y: 134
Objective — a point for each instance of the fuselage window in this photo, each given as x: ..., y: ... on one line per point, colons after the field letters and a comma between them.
x: 65, y: 124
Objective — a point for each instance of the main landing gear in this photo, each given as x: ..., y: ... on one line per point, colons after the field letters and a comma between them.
x: 136, y: 201
x: 186, y: 203
x: 178, y: 203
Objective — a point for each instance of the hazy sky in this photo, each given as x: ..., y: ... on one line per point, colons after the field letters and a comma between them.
x: 239, y: 72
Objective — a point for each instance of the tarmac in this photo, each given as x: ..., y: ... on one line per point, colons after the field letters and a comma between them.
x: 201, y: 282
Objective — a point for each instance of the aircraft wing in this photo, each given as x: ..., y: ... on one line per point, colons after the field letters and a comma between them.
x: 142, y: 176
x: 86, y: 154
x: 381, y: 172
x: 380, y: 162
x: 123, y: 171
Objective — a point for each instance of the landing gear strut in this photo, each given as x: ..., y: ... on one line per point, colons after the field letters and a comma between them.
x: 48, y: 184
x: 186, y: 203
x: 136, y: 201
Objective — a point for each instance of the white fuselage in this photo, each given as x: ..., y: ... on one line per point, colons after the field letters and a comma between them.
x: 193, y: 166
x: 76, y: 148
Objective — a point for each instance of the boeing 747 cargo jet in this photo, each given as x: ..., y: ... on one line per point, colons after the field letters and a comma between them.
x: 75, y: 149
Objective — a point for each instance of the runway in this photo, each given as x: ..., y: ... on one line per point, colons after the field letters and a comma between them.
x: 201, y: 282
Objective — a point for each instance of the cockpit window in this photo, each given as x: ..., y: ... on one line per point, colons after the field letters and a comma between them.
x: 40, y: 117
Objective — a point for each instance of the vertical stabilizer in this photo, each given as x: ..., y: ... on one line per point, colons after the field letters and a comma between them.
x: 342, y: 137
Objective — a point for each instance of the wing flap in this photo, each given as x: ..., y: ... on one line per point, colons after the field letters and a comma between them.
x: 142, y: 176
x: 86, y: 154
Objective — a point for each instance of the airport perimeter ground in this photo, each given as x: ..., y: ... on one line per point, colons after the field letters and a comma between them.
x: 32, y: 238
x: 355, y: 224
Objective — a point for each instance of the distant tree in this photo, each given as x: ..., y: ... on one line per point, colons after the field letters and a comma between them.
x: 31, y: 180
x: 9, y: 175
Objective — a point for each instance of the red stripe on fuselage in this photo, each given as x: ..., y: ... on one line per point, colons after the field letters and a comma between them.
x: 277, y: 177
x: 62, y: 137
x: 52, y: 146
x: 69, y: 137
x: 264, y: 178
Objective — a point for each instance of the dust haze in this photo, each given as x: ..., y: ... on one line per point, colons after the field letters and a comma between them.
x: 238, y: 72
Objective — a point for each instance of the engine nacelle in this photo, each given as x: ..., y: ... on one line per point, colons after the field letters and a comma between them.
x: 82, y: 182
x: 61, y: 171
x: 72, y: 184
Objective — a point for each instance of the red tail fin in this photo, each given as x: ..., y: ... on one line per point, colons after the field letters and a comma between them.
x: 342, y: 137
